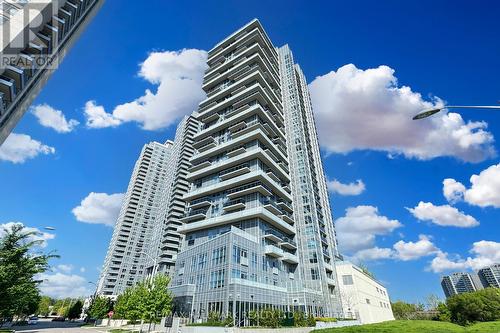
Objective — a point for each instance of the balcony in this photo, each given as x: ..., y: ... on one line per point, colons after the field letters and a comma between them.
x: 272, y: 236
x: 200, y: 166
x: 273, y: 251
x: 236, y: 127
x: 234, y: 172
x: 270, y: 206
x: 233, y: 205
x: 328, y: 267
x: 247, y: 189
x: 237, y: 216
x: 203, y: 142
x: 287, y: 218
x: 236, y: 152
x: 290, y: 258
x: 273, y: 176
x: 195, y: 215
x: 284, y: 206
x: 288, y: 243
x: 330, y: 281
x: 207, y: 147
x: 199, y: 203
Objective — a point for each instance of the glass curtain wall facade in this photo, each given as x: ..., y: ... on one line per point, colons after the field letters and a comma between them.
x: 316, y: 239
x: 243, y: 249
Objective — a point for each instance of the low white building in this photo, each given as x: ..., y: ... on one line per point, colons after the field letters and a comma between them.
x: 362, y: 296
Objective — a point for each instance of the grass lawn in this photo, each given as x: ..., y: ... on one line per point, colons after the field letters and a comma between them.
x: 416, y: 326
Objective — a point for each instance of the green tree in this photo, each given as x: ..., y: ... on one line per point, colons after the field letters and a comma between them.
x: 100, y: 307
x: 147, y: 300
x: 405, y: 311
x: 75, y: 310
x: 44, y: 306
x: 468, y: 308
x: 19, y: 265
x: 444, y: 312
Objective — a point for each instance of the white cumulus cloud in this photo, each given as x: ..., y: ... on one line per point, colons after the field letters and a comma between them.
x: 359, y: 109
x: 61, y: 285
x: 52, y: 118
x: 373, y: 254
x: 99, y: 208
x: 484, y: 190
x: 415, y: 250
x: 453, y: 191
x: 97, y: 117
x: 39, y: 236
x: 18, y: 148
x: 444, y: 215
x: 355, y: 188
x: 178, y: 76
x: 484, y: 253
x: 357, y: 229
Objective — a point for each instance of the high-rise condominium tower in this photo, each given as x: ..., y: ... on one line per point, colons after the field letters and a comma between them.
x: 142, y: 209
x: 490, y: 276
x: 458, y: 283
x: 35, y: 36
x: 316, y: 239
x: 167, y: 241
x: 258, y: 229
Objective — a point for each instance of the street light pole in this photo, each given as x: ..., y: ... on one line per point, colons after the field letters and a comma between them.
x: 155, y: 260
x: 430, y: 112
x: 93, y: 298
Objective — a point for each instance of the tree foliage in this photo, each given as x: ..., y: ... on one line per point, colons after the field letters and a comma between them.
x: 99, y: 307
x: 405, y: 311
x: 19, y: 266
x: 468, y: 308
x: 147, y: 300
x: 44, y: 306
x: 75, y: 310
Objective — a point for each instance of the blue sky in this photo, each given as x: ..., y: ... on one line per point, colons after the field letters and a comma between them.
x: 444, y: 49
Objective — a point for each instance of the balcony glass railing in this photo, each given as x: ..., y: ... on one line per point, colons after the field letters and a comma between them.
x: 235, y: 168
x: 234, y: 202
x: 196, y: 212
x: 247, y: 186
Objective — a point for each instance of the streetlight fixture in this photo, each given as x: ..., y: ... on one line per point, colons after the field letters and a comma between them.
x: 430, y: 112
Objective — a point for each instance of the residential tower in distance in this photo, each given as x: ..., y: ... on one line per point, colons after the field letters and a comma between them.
x: 142, y: 210
x: 462, y: 282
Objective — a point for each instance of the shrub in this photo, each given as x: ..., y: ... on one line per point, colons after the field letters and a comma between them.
x: 326, y: 319
x: 299, y: 319
x: 311, y: 321
x: 468, y: 308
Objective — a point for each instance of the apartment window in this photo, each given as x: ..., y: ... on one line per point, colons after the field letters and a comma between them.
x: 217, y: 279
x: 202, y: 260
x: 347, y: 279
x: 314, y: 274
x: 219, y: 255
x: 200, y: 279
x: 254, y: 260
x: 193, y: 263
x: 239, y: 253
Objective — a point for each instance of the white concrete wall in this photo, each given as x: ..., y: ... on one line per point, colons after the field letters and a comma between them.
x: 365, y: 298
